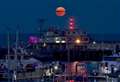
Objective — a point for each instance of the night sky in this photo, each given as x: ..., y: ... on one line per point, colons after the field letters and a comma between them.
x: 93, y: 16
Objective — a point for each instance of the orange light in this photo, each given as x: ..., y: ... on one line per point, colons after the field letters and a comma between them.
x: 77, y: 41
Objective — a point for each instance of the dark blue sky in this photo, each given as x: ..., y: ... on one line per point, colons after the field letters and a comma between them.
x: 93, y: 16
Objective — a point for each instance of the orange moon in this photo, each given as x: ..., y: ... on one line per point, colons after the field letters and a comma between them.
x: 60, y: 11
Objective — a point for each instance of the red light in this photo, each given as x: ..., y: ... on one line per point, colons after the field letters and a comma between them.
x: 71, y: 19
x: 72, y: 81
x: 71, y: 24
x: 71, y: 27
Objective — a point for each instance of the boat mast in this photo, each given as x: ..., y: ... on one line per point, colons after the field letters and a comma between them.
x: 8, y: 53
x: 40, y: 26
x: 16, y: 54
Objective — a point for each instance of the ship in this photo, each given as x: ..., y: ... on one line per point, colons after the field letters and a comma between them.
x: 58, y: 44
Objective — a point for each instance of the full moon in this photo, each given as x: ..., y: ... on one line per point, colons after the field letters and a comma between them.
x: 60, y: 11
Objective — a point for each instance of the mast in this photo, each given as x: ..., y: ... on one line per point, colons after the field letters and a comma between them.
x: 8, y: 53
x: 71, y: 29
x: 16, y: 54
x: 40, y: 25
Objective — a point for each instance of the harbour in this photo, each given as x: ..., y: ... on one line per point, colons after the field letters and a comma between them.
x: 69, y: 45
x: 70, y: 57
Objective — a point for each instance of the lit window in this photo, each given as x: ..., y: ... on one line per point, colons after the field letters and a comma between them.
x: 57, y: 41
x: 63, y: 41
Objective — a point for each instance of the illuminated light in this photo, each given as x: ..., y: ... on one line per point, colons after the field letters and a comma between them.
x: 94, y: 42
x: 77, y: 41
x: 57, y: 41
x: 71, y: 24
x: 71, y: 81
x: 71, y: 28
x: 44, y: 45
x: 60, y: 11
x: 56, y: 67
x: 71, y: 19
x: 63, y: 41
x: 33, y: 40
